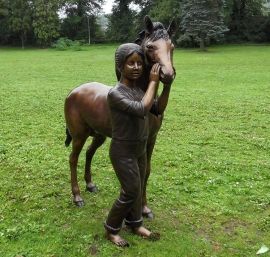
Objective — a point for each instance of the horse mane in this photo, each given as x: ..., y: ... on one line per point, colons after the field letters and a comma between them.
x: 158, y: 32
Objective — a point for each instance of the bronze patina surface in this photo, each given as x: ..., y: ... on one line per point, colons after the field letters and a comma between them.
x: 87, y: 112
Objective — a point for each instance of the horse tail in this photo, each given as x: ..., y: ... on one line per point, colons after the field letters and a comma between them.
x: 68, y: 138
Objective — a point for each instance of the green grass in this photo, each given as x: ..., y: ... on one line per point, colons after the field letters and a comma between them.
x: 209, y: 187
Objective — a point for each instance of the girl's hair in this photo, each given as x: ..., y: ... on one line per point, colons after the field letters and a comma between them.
x: 124, y: 51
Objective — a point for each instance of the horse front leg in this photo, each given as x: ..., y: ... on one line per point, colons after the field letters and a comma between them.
x: 97, y: 141
x: 146, y: 211
x: 77, y: 145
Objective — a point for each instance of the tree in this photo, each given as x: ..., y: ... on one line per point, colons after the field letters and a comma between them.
x: 46, y: 21
x: 242, y: 16
x: 165, y: 11
x: 121, y: 25
x: 3, y: 20
x: 144, y: 6
x: 21, y: 18
x: 81, y: 15
x: 3, y: 8
x: 203, y: 20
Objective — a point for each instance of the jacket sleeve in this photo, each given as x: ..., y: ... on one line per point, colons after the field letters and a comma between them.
x: 119, y: 101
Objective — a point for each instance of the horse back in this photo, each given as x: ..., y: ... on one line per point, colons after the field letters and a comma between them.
x: 86, y: 108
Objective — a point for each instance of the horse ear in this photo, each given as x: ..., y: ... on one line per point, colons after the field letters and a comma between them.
x: 172, y: 28
x: 148, y: 25
x: 141, y: 34
x: 138, y: 41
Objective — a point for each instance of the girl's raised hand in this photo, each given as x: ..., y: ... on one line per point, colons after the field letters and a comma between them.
x: 154, y: 73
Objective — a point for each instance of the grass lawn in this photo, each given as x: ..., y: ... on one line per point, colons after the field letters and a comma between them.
x: 209, y: 187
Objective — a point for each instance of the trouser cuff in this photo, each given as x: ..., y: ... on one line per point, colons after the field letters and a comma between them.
x: 111, y: 229
x: 134, y: 223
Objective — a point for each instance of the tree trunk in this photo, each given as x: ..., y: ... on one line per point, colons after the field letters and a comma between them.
x: 202, y: 38
x: 22, y: 38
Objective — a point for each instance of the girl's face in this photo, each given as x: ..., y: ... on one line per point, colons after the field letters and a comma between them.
x: 133, y: 67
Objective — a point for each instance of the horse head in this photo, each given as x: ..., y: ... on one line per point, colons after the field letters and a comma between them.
x: 156, y: 43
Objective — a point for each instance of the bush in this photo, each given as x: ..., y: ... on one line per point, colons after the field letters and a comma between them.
x: 61, y: 44
x: 77, y: 44
x: 64, y: 43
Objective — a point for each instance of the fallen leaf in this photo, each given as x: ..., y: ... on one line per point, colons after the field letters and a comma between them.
x: 263, y: 249
x: 217, y: 247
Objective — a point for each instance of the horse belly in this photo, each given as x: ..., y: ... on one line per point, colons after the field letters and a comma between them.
x: 98, y: 117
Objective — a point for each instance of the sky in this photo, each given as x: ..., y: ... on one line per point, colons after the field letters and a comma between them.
x: 108, y: 6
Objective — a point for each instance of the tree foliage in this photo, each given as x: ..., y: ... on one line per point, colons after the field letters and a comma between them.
x: 145, y: 7
x: 122, y: 22
x: 3, y: 8
x: 243, y: 17
x: 3, y: 20
x: 203, y: 20
x: 46, y: 21
x: 81, y: 18
x: 165, y: 11
x: 21, y: 18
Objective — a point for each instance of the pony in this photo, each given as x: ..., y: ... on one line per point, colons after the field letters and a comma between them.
x: 87, y: 112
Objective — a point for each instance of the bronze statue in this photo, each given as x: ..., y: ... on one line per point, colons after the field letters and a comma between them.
x: 129, y: 107
x: 87, y: 111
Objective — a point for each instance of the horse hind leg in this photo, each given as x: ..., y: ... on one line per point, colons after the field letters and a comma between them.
x: 97, y: 141
x: 68, y: 138
x: 77, y: 145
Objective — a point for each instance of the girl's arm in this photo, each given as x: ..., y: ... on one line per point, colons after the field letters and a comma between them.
x: 152, y: 89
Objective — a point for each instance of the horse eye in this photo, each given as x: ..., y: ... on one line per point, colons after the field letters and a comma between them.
x: 149, y: 47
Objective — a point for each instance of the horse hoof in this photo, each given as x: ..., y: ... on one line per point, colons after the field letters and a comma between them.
x: 79, y: 203
x: 148, y: 215
x: 92, y: 189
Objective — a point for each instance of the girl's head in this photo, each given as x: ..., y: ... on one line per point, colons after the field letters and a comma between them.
x: 124, y: 51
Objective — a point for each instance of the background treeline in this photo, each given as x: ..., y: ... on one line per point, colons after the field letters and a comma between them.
x: 201, y: 22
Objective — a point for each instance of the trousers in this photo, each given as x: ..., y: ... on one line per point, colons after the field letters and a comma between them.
x: 129, y: 162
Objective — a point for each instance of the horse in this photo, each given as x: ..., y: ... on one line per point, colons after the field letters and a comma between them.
x: 87, y: 112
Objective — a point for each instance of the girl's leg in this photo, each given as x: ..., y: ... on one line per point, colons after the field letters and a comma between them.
x: 135, y: 213
x: 127, y: 171
x: 137, y: 208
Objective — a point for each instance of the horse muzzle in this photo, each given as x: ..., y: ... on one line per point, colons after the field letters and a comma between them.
x: 167, y: 76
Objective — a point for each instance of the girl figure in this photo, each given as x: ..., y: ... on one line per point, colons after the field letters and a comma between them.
x: 129, y: 108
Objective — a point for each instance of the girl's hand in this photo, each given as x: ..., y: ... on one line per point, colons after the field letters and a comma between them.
x: 154, y: 73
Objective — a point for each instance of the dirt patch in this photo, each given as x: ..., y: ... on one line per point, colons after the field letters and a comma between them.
x: 155, y: 236
x: 93, y: 250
